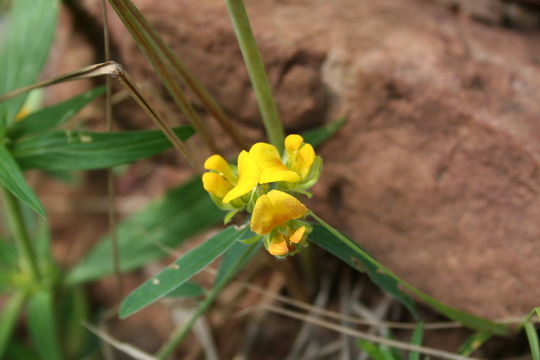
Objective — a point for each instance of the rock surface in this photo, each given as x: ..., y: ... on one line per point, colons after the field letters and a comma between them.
x: 437, y: 170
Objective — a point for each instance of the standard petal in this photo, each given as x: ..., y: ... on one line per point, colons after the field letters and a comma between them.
x: 216, y: 184
x: 248, y: 177
x: 274, y: 209
x: 219, y: 164
x: 272, y: 169
x: 265, y: 155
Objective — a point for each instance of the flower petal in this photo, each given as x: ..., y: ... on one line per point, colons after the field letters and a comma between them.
x: 274, y: 209
x: 272, y: 169
x: 248, y: 177
x: 278, y: 173
x: 219, y: 164
x: 304, y: 160
x: 216, y: 184
x: 278, y: 246
x: 297, y: 236
x: 293, y: 143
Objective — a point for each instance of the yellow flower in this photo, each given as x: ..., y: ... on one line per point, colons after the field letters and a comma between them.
x: 281, y: 245
x: 221, y: 177
x: 300, y: 155
x: 261, y: 165
x: 248, y: 177
x: 269, y: 161
x: 275, y: 209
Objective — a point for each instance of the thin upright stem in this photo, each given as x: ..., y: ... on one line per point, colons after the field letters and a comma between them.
x: 20, y: 234
x: 111, y: 189
x: 257, y: 74
x: 180, y: 333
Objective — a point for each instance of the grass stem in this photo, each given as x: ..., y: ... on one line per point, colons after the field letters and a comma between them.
x: 20, y: 234
x: 257, y: 74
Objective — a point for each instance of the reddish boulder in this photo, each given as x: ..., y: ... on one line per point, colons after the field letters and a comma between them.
x: 437, y: 171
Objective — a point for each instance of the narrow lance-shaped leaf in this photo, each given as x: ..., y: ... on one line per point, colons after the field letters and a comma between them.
x: 336, y: 243
x: 24, y: 47
x: 42, y: 326
x: 473, y: 342
x: 8, y: 266
x: 8, y: 317
x: 234, y: 259
x: 52, y: 116
x: 166, y: 222
x: 416, y: 339
x: 84, y: 150
x: 12, y: 178
x: 19, y: 351
x: 179, y: 271
x: 325, y: 239
x: 532, y: 336
x: 187, y: 289
x: 318, y: 136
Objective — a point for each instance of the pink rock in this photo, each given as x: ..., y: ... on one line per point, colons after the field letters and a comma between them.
x: 436, y: 172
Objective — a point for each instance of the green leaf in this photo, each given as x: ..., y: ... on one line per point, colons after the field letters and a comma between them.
x: 166, y: 222
x: 372, y: 350
x: 187, y: 289
x: 336, y: 243
x: 53, y: 116
x: 42, y: 326
x: 8, y: 318
x: 75, y: 311
x: 532, y: 336
x: 12, y: 178
x: 318, y: 136
x: 8, y: 265
x: 8, y: 255
x: 179, y: 272
x: 236, y: 258
x: 84, y: 150
x: 43, y: 245
x: 24, y: 47
x: 357, y: 258
x: 416, y: 339
x: 473, y: 342
x: 17, y: 351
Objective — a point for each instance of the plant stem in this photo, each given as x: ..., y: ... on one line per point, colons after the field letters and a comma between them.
x: 180, y: 333
x: 257, y: 74
x: 8, y: 319
x: 18, y: 228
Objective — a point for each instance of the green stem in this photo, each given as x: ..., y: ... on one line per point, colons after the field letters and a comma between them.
x: 307, y: 263
x: 181, y: 332
x: 257, y: 74
x: 8, y: 319
x: 176, y: 338
x: 20, y: 234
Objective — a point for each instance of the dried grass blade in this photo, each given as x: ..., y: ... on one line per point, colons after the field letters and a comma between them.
x: 155, y: 57
x: 189, y: 79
